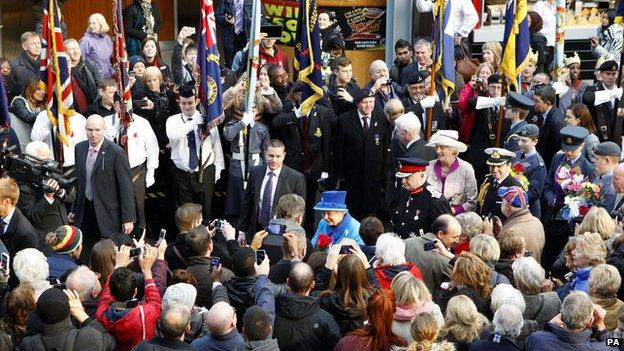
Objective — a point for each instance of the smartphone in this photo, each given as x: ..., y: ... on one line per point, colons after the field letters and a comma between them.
x: 214, y: 263
x: 139, y: 103
x: 276, y: 229
x: 137, y: 232
x: 5, y: 260
x: 136, y: 252
x: 430, y: 245
x: 273, y: 31
x: 260, y: 254
x: 161, y: 236
x: 346, y: 249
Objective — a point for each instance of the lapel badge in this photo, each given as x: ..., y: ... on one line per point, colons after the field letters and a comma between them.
x: 317, y: 132
x: 376, y: 139
x: 375, y: 124
x: 416, y: 217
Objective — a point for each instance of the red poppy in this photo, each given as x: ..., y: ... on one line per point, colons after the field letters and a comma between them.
x: 323, y: 241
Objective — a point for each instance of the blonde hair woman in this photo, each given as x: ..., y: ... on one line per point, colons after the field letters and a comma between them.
x: 589, y: 252
x: 487, y: 249
x: 463, y: 323
x: 492, y: 51
x: 412, y: 298
x: 424, y: 332
x: 598, y: 220
x: 97, y: 46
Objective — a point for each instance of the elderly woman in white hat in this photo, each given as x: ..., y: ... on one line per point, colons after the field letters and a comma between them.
x: 452, y: 176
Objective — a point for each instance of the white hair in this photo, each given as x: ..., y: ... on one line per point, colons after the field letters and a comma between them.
x: 390, y: 248
x: 31, y: 266
x: 507, y: 294
x: 34, y: 147
x: 528, y: 275
x: 508, y: 321
x: 408, y: 122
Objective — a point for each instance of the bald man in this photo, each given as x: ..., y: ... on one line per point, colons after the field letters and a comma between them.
x: 222, y: 326
x: 381, y: 85
x: 104, y: 203
x: 173, y: 325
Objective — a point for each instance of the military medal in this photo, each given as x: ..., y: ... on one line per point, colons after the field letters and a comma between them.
x: 376, y: 139
x: 317, y: 132
x: 416, y: 216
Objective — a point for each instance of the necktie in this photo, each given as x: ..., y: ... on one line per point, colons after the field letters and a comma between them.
x: 91, y: 157
x: 365, y: 123
x: 238, y: 16
x: 193, y: 159
x: 2, y: 226
x: 265, y: 210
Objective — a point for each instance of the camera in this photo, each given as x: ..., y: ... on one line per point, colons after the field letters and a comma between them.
x: 479, y: 81
x: 25, y: 168
x: 219, y: 224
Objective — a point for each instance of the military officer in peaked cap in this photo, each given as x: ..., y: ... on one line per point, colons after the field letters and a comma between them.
x: 488, y: 201
x: 418, y: 203
x: 516, y: 110
x: 531, y: 164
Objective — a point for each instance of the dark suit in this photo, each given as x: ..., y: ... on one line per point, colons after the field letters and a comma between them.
x: 289, y: 181
x: 19, y: 234
x: 549, y: 139
x: 438, y: 120
x: 308, y: 148
x: 361, y: 161
x: 111, y: 184
x: 488, y: 201
x: 602, y: 115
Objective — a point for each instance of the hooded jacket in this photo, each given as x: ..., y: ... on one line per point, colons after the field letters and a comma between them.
x: 90, y: 336
x: 241, y: 294
x: 127, y: 325
x: 300, y: 324
x: 557, y: 338
x: 385, y: 274
x: 98, y: 48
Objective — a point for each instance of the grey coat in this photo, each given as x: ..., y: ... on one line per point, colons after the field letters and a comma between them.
x: 542, y: 307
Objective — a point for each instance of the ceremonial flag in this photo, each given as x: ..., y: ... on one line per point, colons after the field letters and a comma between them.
x: 619, y: 14
x: 55, y: 75
x: 516, y: 43
x: 120, y: 62
x: 210, y: 73
x: 308, y: 55
x: 444, y: 55
x: 5, y: 121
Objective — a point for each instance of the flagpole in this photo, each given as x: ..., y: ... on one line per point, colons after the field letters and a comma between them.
x: 437, y: 27
x: 560, y: 37
x: 253, y: 61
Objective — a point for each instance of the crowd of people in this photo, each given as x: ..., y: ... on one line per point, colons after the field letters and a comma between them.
x: 492, y: 223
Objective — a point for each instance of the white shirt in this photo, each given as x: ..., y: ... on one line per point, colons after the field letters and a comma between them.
x: 276, y: 174
x: 42, y: 130
x: 549, y: 19
x: 464, y: 16
x: 177, y: 128
x: 360, y: 115
x: 142, y: 142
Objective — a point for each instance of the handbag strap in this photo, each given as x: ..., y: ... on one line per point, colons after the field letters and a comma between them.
x: 142, y: 320
x: 539, y: 308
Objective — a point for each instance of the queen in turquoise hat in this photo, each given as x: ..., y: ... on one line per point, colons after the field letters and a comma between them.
x: 337, y: 223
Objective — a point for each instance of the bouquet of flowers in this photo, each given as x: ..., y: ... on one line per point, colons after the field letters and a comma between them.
x: 579, y: 196
x: 323, y: 242
x: 517, y: 171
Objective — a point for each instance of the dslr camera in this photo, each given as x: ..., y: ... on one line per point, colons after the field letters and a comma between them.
x: 25, y: 168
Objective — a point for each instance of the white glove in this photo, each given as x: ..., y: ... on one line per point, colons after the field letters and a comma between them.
x: 324, y: 175
x: 560, y: 88
x: 298, y: 112
x: 247, y: 118
x: 616, y: 93
x: 501, y: 101
x: 602, y: 96
x: 485, y: 102
x: 427, y: 102
x: 149, y: 178
x: 198, y: 119
x: 267, y: 92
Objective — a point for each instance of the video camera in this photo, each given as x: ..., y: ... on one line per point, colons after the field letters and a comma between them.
x: 25, y: 168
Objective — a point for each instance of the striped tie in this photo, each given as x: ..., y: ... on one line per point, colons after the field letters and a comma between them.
x: 238, y: 16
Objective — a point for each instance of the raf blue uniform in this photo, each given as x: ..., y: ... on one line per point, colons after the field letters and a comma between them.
x: 607, y: 190
x: 520, y: 104
x: 511, y: 140
x: 558, y: 230
x: 535, y: 172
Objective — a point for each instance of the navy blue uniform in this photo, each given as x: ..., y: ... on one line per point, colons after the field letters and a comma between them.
x: 535, y: 172
x: 416, y: 211
x: 511, y: 140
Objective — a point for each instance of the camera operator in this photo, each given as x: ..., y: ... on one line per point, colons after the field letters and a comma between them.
x: 381, y: 85
x: 43, y: 206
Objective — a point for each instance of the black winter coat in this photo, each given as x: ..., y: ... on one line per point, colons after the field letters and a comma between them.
x: 87, y: 76
x: 241, y: 294
x: 199, y: 267
x: 300, y: 324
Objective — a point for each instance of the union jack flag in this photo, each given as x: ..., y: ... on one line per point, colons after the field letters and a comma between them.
x: 55, y: 76
x: 210, y: 73
x: 120, y: 62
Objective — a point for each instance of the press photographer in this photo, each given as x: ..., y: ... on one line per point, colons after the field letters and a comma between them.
x: 42, y: 200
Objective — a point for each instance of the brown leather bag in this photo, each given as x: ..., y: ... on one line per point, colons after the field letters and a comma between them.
x: 466, y: 66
